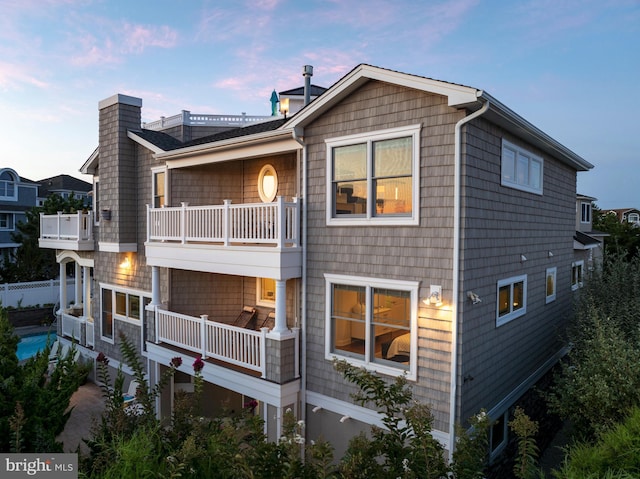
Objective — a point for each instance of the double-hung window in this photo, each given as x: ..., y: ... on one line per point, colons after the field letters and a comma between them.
x: 577, y: 271
x: 7, y: 221
x: 521, y: 169
x: 585, y: 214
x: 372, y: 322
x: 550, y: 285
x: 512, y: 299
x: 373, y: 177
x: 159, y: 187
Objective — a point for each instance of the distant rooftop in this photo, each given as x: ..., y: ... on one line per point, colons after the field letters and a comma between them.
x: 187, y: 118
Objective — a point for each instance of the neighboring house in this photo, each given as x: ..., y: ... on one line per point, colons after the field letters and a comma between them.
x: 65, y: 186
x: 407, y: 225
x: 629, y: 215
x: 17, y: 196
x: 587, y: 242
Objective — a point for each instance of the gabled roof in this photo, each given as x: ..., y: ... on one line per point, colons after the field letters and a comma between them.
x: 458, y: 96
x: 62, y: 183
x: 159, y: 139
x: 314, y: 90
x: 256, y: 128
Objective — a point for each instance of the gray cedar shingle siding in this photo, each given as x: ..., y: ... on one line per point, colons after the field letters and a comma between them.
x: 420, y: 253
x: 500, y: 224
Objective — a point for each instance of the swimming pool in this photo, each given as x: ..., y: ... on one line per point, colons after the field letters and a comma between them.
x: 30, y: 345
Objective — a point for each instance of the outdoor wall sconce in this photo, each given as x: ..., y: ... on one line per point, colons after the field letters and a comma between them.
x: 523, y: 258
x: 126, y: 263
x: 435, y: 296
x: 284, y: 106
x: 550, y: 254
x: 475, y: 299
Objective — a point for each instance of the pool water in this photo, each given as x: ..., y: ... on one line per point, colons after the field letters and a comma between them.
x: 30, y: 345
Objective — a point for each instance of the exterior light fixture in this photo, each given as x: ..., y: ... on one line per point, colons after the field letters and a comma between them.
x: 126, y: 263
x: 523, y: 258
x: 435, y: 296
x: 284, y: 106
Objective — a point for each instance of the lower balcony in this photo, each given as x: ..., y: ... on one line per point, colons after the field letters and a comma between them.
x: 272, y: 357
x: 77, y: 327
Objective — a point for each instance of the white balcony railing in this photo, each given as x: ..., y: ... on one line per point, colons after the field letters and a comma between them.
x: 72, y: 327
x: 256, y: 223
x: 242, y: 347
x: 73, y: 227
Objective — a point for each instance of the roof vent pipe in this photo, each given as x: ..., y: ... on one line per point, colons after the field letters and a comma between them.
x: 307, y: 73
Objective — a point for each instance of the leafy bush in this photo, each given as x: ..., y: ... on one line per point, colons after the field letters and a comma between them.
x: 615, y: 455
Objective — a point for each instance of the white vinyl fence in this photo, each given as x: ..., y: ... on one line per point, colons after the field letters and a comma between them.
x: 36, y: 292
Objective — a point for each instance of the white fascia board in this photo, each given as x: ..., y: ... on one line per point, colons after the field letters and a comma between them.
x: 233, y: 148
x: 141, y: 141
x: 457, y: 95
x: 521, y: 127
x: 117, y: 247
x: 279, y: 395
x: 359, y: 413
x: 89, y: 167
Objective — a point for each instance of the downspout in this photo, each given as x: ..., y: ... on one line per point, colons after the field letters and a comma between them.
x: 303, y: 302
x: 456, y: 272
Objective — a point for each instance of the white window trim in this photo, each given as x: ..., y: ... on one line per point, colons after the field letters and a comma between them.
x: 579, y: 284
x: 582, y: 211
x: 267, y: 198
x: 96, y: 196
x: 501, y: 320
x: 514, y: 184
x: 369, y: 137
x: 554, y: 272
x: 369, y: 283
x: 496, y: 449
x: 128, y: 291
x: 155, y: 170
x: 259, y: 300
x: 11, y: 217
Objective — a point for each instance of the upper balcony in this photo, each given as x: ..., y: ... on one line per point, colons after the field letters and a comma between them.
x: 67, y: 231
x: 255, y: 239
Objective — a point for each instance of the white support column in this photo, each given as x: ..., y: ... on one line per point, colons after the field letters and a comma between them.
x: 155, y: 286
x: 86, y: 289
x: 280, y: 326
x: 63, y: 287
x: 78, y: 286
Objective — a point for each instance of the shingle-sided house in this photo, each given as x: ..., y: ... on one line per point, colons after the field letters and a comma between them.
x: 630, y: 215
x: 65, y: 186
x: 17, y: 196
x: 404, y: 224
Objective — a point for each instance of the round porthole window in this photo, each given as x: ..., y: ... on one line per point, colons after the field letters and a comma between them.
x: 267, y: 183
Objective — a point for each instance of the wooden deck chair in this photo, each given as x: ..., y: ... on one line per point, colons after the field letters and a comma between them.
x: 247, y: 318
x: 269, y: 321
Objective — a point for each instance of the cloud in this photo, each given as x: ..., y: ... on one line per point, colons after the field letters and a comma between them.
x: 113, y: 42
x: 13, y: 76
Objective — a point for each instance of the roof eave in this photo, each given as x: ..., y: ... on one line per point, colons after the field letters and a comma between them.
x: 146, y: 143
x: 535, y: 135
x: 224, y: 145
x: 91, y: 165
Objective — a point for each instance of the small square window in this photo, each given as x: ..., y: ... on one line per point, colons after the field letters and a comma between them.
x: 512, y: 299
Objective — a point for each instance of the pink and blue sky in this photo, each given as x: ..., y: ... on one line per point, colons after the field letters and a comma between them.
x: 570, y: 67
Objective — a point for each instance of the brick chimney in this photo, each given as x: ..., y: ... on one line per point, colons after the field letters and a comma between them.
x: 118, y: 173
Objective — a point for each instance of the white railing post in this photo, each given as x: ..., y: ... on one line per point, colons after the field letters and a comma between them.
x: 156, y: 316
x: 203, y: 334
x: 296, y: 353
x: 295, y: 219
x: 282, y: 221
x: 263, y: 351
x: 183, y: 222
x: 58, y: 223
x: 148, y: 223
x: 226, y: 222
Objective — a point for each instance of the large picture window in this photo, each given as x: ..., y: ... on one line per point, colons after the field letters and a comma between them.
x: 512, y: 299
x: 373, y: 177
x: 122, y: 304
x: 372, y: 322
x: 521, y: 169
